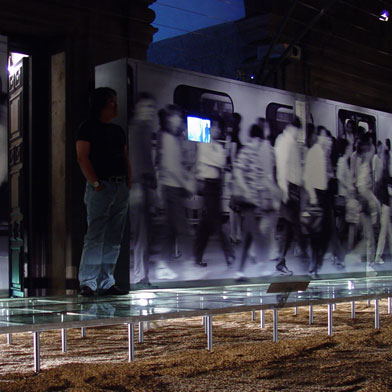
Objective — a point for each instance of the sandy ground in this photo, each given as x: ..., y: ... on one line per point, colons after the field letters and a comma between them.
x: 173, y: 356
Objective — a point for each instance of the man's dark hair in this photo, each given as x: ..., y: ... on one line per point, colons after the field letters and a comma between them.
x: 222, y: 126
x: 99, y: 98
x: 388, y: 144
x: 363, y: 146
x: 237, y: 118
x: 352, y: 123
x: 256, y: 131
x: 342, y: 146
x: 296, y: 122
x: 320, y: 129
x: 166, y: 112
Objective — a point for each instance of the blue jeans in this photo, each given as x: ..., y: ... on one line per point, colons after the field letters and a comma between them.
x: 106, y: 217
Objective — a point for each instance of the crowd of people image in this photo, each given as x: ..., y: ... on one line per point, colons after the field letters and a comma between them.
x: 253, y: 203
x: 325, y: 196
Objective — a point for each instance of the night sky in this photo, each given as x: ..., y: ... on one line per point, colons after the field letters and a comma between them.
x: 176, y: 17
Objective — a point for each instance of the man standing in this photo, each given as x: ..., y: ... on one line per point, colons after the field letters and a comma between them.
x: 143, y: 183
x: 103, y: 158
x: 289, y: 178
x: 316, y: 184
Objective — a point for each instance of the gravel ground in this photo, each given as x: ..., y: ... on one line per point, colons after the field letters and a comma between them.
x: 173, y: 356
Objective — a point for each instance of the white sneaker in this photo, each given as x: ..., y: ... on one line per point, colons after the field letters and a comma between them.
x: 239, y: 275
x: 370, y: 271
x: 379, y: 260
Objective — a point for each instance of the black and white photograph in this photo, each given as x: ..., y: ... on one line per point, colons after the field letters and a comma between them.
x: 281, y: 187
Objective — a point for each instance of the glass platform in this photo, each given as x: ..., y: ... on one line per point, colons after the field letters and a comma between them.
x: 48, y: 313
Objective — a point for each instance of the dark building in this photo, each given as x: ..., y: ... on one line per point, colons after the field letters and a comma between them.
x: 46, y: 99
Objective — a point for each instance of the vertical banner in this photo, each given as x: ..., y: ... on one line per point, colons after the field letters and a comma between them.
x: 4, y: 205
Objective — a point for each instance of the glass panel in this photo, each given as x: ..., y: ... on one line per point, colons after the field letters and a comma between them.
x: 17, y: 315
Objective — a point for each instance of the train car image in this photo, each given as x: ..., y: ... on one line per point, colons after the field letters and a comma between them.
x: 228, y: 212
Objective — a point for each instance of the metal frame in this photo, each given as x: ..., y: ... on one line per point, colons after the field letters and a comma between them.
x: 207, y: 315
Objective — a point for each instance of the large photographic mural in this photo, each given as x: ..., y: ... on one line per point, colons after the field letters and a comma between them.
x: 235, y: 182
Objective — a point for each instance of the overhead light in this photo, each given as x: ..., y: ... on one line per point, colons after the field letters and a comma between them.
x: 384, y: 16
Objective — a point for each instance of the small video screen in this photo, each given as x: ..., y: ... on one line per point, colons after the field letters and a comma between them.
x: 199, y: 129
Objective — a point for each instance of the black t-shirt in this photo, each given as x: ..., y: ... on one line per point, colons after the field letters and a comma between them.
x: 107, y: 142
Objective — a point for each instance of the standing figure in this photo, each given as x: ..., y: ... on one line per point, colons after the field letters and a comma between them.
x: 143, y: 184
x: 347, y: 192
x: 289, y: 178
x: 370, y: 204
x: 257, y: 190
x: 176, y: 183
x: 211, y: 160
x: 103, y: 158
x: 235, y: 147
x: 381, y: 192
x: 316, y: 184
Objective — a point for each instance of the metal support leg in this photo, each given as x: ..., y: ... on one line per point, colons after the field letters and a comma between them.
x: 376, y: 314
x: 205, y: 318
x: 147, y: 326
x: 141, y: 332
x: 131, y: 344
x: 389, y: 305
x: 9, y: 338
x: 203, y: 321
x: 253, y: 315
x: 262, y: 318
x: 330, y: 323
x: 209, y: 332
x: 310, y: 314
x: 353, y: 310
x: 334, y: 307
x: 37, y: 365
x: 368, y: 302
x: 83, y: 332
x: 296, y: 311
x: 275, y: 328
x: 64, y: 340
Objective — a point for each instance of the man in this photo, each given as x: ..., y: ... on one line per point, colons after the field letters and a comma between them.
x: 175, y: 181
x: 211, y: 160
x: 103, y: 158
x: 316, y: 184
x: 289, y: 178
x: 143, y: 183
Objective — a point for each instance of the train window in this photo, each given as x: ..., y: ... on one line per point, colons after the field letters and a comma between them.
x: 279, y: 116
x: 202, y: 101
x: 355, y: 123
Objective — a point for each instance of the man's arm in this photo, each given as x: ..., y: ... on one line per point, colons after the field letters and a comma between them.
x: 129, y: 180
x: 83, y: 151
